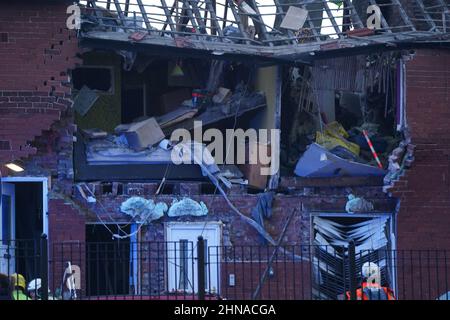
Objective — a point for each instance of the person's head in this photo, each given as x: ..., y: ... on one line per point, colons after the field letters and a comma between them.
x: 18, y: 281
x: 5, y: 287
x: 371, y: 272
x: 34, y: 288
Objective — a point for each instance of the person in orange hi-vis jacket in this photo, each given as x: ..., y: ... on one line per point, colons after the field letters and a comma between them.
x: 371, y: 288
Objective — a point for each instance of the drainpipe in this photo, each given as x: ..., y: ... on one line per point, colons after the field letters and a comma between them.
x: 1, y: 188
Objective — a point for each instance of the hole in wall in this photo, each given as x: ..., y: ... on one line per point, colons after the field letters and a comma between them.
x: 208, y: 188
x: 168, y: 188
x: 107, y: 188
x: 120, y: 189
x: 94, y: 78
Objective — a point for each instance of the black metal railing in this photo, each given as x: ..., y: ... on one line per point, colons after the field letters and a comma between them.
x: 24, y: 262
x: 188, y: 270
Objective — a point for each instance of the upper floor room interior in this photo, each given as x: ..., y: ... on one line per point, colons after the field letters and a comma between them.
x: 128, y: 107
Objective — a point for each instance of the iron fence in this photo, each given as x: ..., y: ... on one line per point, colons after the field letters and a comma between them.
x: 24, y: 259
x: 187, y: 270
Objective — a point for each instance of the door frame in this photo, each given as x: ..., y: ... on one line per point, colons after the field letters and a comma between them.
x: 8, y: 190
x: 44, y: 181
x: 194, y: 225
x: 12, y: 218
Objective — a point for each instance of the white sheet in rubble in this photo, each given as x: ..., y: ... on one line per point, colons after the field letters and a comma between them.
x: 357, y: 204
x: 192, y: 152
x: 143, y: 210
x: 318, y: 162
x: 105, y: 151
x: 187, y: 207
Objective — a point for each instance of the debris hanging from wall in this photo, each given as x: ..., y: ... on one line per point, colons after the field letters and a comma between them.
x: 187, y: 207
x: 358, y: 204
x: 143, y: 210
x: 346, y: 105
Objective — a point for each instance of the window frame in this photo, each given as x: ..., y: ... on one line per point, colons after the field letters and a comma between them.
x: 112, y: 88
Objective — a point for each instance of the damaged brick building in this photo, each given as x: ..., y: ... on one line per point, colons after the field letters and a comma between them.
x: 68, y: 96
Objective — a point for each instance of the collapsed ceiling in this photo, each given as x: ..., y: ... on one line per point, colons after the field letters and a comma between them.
x: 278, y: 29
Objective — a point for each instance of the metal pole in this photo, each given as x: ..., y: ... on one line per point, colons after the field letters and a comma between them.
x: 352, y: 269
x: 44, y: 266
x: 201, y: 267
x: 257, y: 292
x: 0, y: 189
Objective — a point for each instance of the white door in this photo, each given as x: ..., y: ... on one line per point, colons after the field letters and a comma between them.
x: 7, y: 228
x: 182, y: 256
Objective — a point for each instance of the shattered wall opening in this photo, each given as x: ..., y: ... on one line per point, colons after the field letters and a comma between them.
x: 95, y: 78
x: 349, y: 110
x: 277, y: 29
x: 374, y: 242
x: 151, y: 98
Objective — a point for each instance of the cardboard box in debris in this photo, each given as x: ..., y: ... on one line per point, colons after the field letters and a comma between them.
x: 142, y: 134
x: 252, y: 171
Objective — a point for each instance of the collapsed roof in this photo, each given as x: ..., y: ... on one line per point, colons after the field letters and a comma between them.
x: 292, y: 30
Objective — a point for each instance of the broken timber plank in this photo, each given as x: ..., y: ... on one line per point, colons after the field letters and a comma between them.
x: 355, y: 17
x: 299, y: 182
x: 427, y: 17
x: 237, y: 18
x: 259, y: 22
x: 214, y: 20
x: 119, y: 11
x: 198, y: 16
x: 331, y: 17
x: 404, y: 15
x: 283, y: 15
x: 383, y: 20
x: 209, y: 117
x: 144, y: 14
x: 168, y: 14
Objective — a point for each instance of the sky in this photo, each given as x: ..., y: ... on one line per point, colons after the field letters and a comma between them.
x: 266, y: 8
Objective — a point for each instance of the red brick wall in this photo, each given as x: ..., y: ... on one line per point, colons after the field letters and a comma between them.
x: 290, y: 280
x: 36, y: 52
x: 424, y: 191
x: 65, y: 224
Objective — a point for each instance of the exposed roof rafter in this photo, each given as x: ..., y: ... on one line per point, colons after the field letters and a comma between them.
x: 225, y: 25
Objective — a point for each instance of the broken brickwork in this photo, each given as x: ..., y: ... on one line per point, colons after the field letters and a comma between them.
x: 424, y: 190
x: 37, y: 52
